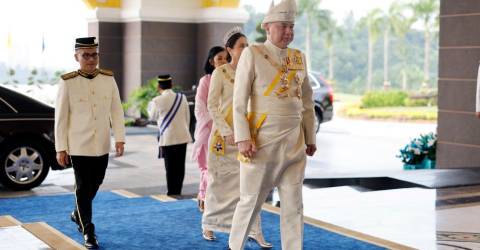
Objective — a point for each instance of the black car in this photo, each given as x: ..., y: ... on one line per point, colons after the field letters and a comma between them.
x: 323, y: 97
x: 27, y: 148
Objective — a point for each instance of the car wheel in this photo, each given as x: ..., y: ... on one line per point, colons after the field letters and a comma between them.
x: 24, y: 165
x: 319, y: 119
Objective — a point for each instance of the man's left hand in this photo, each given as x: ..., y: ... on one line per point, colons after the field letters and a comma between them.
x: 311, y: 148
x: 119, y: 148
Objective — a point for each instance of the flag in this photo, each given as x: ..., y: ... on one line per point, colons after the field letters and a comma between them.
x: 9, y: 40
x: 43, y: 43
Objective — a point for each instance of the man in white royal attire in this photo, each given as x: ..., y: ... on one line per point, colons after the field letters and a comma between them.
x: 273, y: 114
x: 88, y: 107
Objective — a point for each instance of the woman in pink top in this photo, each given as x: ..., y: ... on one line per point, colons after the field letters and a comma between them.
x: 217, y: 56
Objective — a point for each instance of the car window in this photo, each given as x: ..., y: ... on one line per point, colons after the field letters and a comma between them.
x: 4, y: 108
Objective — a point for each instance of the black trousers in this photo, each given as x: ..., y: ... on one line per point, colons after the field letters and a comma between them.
x: 174, y: 157
x: 89, y: 174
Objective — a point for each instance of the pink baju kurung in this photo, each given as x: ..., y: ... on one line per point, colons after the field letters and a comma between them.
x: 202, y: 132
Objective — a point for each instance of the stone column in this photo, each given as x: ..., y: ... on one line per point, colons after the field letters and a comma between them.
x: 458, y: 128
x: 110, y: 38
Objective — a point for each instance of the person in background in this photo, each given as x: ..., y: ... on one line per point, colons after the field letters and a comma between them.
x: 171, y: 112
x: 88, y: 108
x: 217, y: 56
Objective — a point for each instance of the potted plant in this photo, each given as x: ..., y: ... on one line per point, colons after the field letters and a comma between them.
x: 420, y: 153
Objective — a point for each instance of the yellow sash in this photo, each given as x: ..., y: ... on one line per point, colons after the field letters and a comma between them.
x: 254, y: 127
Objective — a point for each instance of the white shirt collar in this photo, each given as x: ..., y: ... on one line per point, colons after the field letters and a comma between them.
x: 274, y: 50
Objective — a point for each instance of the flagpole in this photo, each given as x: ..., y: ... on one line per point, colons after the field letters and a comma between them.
x: 9, y: 59
x: 44, y: 71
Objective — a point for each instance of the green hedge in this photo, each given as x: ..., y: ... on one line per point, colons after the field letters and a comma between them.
x: 141, y: 96
x: 378, y: 99
x: 389, y: 113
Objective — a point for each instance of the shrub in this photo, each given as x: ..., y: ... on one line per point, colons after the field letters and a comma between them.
x: 140, y: 97
x: 377, y: 99
x: 425, y: 97
x: 416, y: 102
x: 399, y: 114
x: 129, y: 122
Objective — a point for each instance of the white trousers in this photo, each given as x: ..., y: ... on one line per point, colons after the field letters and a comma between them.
x: 223, y: 192
x: 280, y: 164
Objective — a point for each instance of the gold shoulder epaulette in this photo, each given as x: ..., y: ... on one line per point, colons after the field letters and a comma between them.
x: 297, y: 51
x: 106, y: 72
x: 69, y: 75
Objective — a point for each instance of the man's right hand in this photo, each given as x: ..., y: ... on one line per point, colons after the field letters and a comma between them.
x: 229, y: 140
x: 63, y: 159
x: 478, y: 114
x: 247, y: 148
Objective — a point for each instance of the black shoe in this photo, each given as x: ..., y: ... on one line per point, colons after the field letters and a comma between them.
x: 74, y: 218
x: 90, y: 241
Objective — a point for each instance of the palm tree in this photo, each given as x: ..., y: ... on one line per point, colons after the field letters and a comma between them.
x: 372, y: 21
x: 390, y: 19
x: 401, y: 26
x: 329, y: 26
x: 309, y: 8
x: 427, y: 12
x: 397, y: 23
x: 262, y: 34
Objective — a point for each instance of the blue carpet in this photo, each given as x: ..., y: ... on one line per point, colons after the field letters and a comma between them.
x: 145, y: 223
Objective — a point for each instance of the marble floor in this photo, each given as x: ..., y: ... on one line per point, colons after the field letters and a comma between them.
x: 17, y: 237
x: 411, y: 217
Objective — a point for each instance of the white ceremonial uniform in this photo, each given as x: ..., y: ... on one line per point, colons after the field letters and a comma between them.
x: 85, y: 110
x: 223, y: 188
x: 178, y: 131
x: 273, y: 106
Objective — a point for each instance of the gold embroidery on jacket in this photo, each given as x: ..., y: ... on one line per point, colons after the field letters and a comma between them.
x: 227, y: 76
x: 286, y: 71
x: 218, y: 144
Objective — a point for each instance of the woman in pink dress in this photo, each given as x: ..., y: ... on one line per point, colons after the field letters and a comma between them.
x: 217, y: 56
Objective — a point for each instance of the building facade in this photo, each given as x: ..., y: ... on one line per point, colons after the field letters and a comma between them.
x: 140, y: 39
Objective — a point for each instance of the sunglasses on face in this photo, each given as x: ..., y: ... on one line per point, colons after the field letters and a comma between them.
x: 87, y: 56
